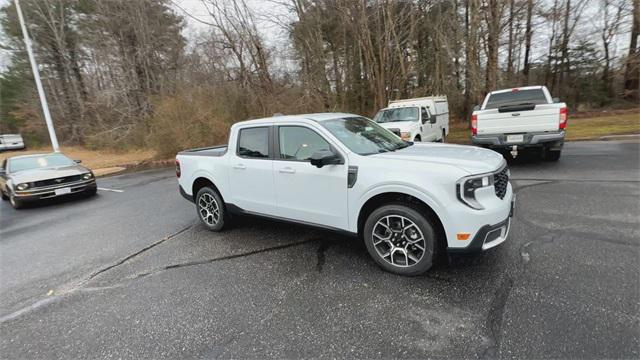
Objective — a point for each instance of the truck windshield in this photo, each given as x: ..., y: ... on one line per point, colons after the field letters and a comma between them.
x: 519, y: 97
x: 364, y: 136
x: 397, y: 114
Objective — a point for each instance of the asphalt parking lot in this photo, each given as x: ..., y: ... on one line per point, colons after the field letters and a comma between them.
x: 132, y: 274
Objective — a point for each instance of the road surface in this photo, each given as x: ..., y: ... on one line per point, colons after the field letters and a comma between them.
x: 132, y: 274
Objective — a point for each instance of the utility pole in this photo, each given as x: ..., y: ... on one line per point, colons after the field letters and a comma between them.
x: 36, y: 75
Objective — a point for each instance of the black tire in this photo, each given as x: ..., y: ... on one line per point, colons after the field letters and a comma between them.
x: 552, y: 155
x: 444, y: 136
x: 417, y: 139
x: 17, y: 204
x: 208, y: 218
x: 4, y: 195
x: 91, y: 192
x: 391, y: 213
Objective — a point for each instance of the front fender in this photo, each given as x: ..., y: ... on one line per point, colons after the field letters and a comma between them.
x: 403, y: 188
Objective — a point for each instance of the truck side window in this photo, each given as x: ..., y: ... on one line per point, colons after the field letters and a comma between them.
x: 425, y: 115
x: 299, y: 143
x: 254, y: 142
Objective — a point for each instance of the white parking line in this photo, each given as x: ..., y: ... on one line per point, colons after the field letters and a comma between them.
x: 113, y: 190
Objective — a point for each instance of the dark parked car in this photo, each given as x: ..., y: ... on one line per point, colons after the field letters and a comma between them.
x: 43, y: 176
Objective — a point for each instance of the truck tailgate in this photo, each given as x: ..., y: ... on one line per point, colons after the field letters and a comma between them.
x: 542, y: 118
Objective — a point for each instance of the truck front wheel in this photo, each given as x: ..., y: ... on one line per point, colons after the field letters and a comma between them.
x: 211, y: 210
x: 400, y: 239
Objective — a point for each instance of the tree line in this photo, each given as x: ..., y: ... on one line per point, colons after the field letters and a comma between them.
x: 121, y: 73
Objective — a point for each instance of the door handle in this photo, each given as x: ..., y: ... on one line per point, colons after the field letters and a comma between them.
x: 240, y: 166
x: 287, y: 170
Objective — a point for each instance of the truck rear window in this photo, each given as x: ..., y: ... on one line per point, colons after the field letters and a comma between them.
x: 520, y: 97
x: 254, y: 142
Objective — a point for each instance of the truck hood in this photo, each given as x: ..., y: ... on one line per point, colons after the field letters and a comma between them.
x: 404, y: 126
x: 47, y: 173
x: 471, y: 159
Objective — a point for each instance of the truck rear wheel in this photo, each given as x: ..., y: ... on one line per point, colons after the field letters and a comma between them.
x: 444, y: 135
x: 400, y: 239
x: 211, y: 210
x: 552, y: 155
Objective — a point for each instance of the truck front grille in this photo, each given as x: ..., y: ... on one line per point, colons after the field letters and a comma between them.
x: 501, y: 180
x: 57, y: 181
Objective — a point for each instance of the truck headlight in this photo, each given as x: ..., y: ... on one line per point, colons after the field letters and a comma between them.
x: 87, y: 176
x: 22, y: 187
x: 467, y: 186
x: 405, y: 135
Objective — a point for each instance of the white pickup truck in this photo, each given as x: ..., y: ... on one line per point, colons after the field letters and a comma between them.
x: 343, y: 172
x: 526, y: 117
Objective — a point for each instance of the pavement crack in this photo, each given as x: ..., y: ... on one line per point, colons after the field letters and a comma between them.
x: 212, y: 260
x: 61, y: 293
x: 495, y: 317
x: 137, y: 253
x: 322, y: 249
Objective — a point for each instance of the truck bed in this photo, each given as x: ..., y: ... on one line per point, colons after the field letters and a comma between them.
x: 214, y: 151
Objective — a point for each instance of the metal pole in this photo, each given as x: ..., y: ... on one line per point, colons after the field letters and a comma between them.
x: 36, y: 75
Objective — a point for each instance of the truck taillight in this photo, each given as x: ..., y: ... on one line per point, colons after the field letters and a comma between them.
x: 474, y: 124
x: 564, y: 116
x: 178, y: 168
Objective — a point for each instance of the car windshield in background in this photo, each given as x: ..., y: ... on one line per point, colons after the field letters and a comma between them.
x: 398, y: 114
x: 520, y: 97
x: 363, y: 136
x: 39, y: 162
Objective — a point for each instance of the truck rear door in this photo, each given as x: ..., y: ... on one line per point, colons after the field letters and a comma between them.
x: 518, y: 112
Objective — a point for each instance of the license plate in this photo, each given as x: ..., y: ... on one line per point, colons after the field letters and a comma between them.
x: 515, y: 138
x: 63, y: 191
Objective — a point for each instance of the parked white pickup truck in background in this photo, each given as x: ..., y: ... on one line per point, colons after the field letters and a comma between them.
x: 346, y: 173
x: 419, y: 119
x: 520, y: 118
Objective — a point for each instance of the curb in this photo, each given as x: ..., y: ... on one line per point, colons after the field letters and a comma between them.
x: 133, y: 167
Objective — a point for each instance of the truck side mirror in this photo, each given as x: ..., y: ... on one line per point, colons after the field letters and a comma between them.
x: 476, y: 108
x: 555, y: 100
x: 321, y: 158
x: 432, y: 119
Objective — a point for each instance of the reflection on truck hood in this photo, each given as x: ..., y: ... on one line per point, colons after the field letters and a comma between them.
x: 471, y: 159
x: 404, y: 126
x: 47, y: 173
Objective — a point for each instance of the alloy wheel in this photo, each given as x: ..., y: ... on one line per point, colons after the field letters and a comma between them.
x: 208, y: 209
x: 398, y: 240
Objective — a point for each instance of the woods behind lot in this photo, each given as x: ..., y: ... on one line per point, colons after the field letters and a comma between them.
x: 123, y: 73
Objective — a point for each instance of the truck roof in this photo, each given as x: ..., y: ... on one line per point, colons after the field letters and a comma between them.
x: 517, y: 89
x: 314, y: 117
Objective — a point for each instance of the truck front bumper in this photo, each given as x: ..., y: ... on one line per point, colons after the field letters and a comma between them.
x: 553, y: 139
x: 487, y: 234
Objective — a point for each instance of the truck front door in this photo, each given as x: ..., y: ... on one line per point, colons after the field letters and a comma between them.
x: 305, y: 192
x: 427, y: 128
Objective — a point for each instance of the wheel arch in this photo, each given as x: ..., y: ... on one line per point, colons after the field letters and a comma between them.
x: 201, y: 182
x: 384, y: 198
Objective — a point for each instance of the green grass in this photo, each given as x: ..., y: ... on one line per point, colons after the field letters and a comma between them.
x: 577, y: 129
